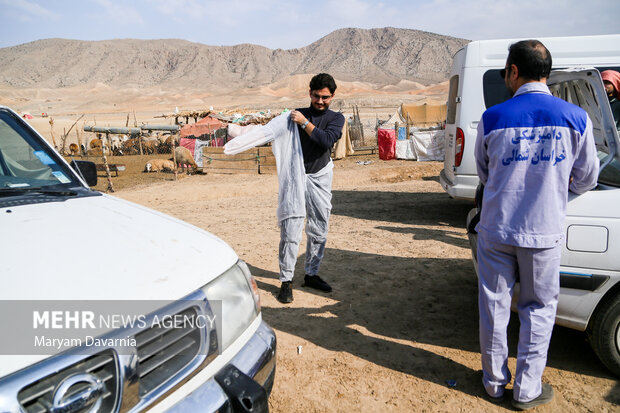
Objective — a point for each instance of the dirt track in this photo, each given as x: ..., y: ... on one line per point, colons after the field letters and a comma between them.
x: 401, y: 322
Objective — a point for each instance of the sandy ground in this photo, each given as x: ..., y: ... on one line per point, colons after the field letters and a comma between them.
x: 401, y: 323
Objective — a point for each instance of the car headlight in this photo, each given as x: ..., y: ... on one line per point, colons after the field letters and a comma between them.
x: 251, y: 283
x: 233, y: 291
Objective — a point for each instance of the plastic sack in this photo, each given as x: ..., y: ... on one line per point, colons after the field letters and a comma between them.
x: 429, y: 145
x: 405, y: 150
x: 386, y: 139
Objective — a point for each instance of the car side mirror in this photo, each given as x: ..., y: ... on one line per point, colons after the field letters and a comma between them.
x: 87, y: 170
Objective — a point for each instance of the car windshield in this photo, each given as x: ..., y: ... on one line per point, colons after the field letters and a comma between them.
x: 26, y: 163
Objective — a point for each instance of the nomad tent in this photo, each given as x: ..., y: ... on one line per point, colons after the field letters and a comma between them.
x: 423, y: 115
x: 425, y: 141
x: 204, y: 128
x: 206, y: 132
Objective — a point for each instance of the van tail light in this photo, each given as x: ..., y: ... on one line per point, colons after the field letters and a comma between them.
x: 459, y: 147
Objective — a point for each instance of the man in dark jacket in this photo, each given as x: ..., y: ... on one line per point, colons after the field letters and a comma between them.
x: 319, y: 128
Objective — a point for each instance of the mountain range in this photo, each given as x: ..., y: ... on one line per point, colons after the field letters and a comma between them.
x: 381, y: 57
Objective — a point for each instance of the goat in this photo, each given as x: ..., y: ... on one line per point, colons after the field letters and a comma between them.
x: 116, y: 143
x: 130, y: 146
x: 167, y: 145
x: 184, y: 157
x: 149, y: 146
x: 95, y: 143
x: 156, y: 165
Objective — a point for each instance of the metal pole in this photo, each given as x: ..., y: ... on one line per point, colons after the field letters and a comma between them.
x: 107, y: 170
x: 396, y: 129
x: 51, y: 121
x: 101, y: 129
x: 171, y: 128
x: 107, y: 138
x: 174, y: 159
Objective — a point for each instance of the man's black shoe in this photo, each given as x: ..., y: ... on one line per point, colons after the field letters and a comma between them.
x: 545, y: 397
x: 286, y: 293
x: 314, y: 281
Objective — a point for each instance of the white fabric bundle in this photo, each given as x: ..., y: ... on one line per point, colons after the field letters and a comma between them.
x: 235, y: 130
x: 286, y: 148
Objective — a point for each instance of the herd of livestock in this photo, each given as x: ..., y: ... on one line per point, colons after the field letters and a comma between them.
x: 120, y: 145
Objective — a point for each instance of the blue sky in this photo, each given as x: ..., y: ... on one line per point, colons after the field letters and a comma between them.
x: 290, y: 24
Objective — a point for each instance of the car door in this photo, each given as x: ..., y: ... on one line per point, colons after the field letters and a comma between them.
x: 590, y: 266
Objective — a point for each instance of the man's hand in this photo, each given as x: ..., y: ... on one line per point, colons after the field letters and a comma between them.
x: 297, y: 117
x: 300, y: 119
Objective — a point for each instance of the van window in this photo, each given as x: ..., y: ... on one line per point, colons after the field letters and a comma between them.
x: 454, y: 90
x: 611, y: 174
x: 581, y: 93
x: 494, y: 88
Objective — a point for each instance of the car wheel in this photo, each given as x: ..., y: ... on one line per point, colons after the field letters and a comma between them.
x: 605, y: 334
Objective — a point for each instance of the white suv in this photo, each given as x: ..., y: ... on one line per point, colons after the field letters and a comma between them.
x: 590, y: 264
x: 108, y: 306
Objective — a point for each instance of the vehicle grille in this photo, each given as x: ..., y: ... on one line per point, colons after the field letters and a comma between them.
x: 37, y: 397
x: 163, y: 351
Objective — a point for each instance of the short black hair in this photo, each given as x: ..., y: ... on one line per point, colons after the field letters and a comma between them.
x: 531, y: 58
x: 323, y: 80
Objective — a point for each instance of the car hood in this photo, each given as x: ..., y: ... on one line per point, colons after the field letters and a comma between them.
x: 584, y: 87
x: 104, y: 248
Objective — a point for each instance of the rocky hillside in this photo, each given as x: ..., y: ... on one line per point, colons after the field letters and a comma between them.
x: 378, y: 56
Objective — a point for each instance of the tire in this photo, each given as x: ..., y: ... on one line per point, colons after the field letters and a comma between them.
x: 605, y: 334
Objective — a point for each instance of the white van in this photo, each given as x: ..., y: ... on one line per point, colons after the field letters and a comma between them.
x: 475, y: 85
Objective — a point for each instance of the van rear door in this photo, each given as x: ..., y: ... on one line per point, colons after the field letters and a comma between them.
x: 584, y: 87
x: 452, y: 145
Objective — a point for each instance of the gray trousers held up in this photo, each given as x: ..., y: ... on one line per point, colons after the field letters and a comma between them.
x: 538, y: 270
x: 318, y: 196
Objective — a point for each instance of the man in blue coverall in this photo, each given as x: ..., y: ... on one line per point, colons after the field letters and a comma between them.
x: 530, y: 151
